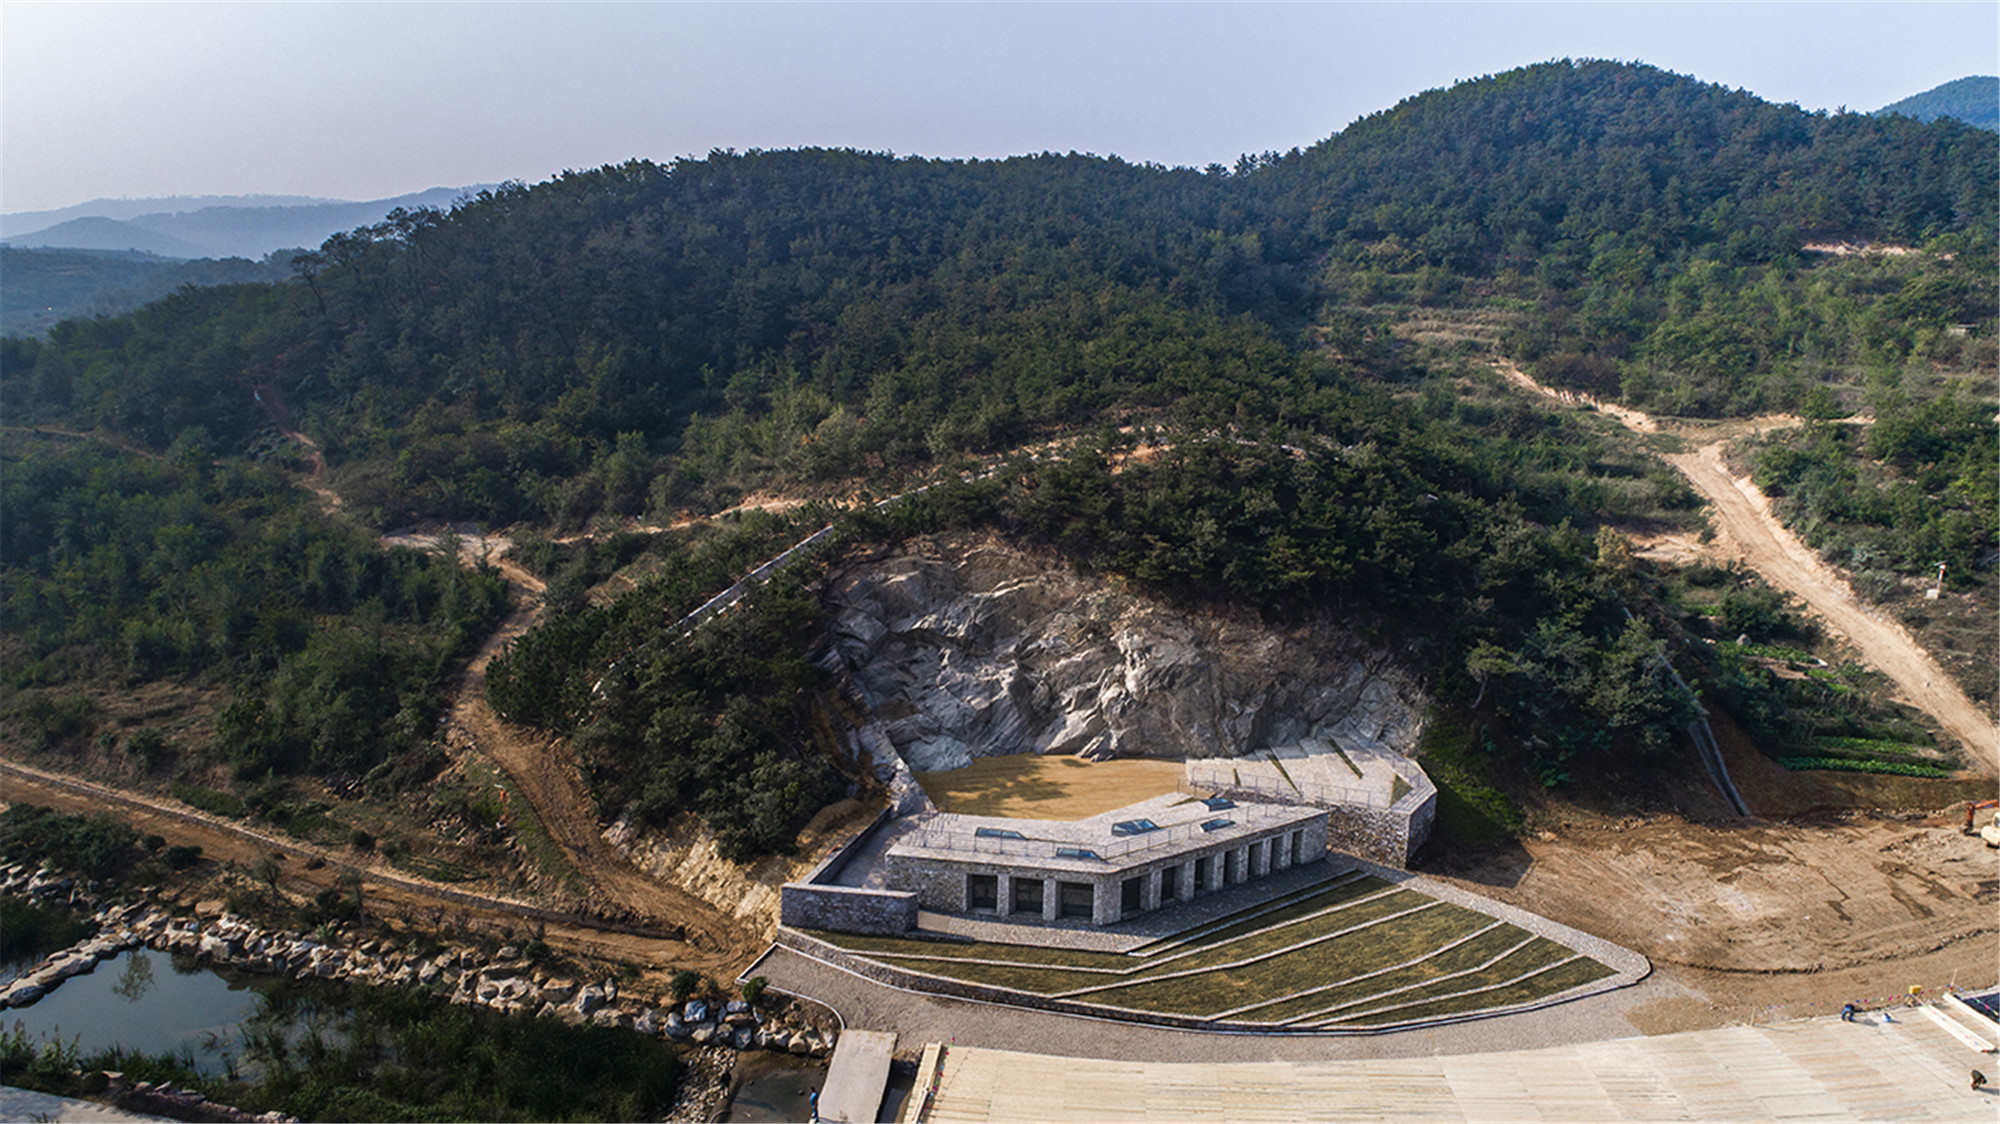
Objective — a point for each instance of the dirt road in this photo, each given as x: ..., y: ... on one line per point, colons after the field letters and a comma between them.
x: 1753, y: 532
x: 388, y: 891
x: 539, y: 765
x: 1745, y: 518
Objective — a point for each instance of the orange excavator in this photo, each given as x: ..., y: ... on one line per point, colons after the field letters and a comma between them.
x: 1991, y: 832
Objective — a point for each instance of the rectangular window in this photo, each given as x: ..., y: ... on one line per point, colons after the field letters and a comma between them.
x: 1298, y: 847
x: 1028, y: 895
x: 1204, y: 873
x: 1130, y: 895
x: 1074, y: 899
x: 1170, y: 884
x: 982, y: 893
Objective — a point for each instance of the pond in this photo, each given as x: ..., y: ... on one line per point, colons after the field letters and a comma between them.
x: 772, y: 1088
x: 151, y: 1002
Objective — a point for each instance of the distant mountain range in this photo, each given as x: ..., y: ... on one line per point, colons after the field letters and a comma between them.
x: 240, y: 226
x: 1975, y: 101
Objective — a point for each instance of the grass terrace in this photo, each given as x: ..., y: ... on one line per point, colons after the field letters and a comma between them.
x: 1357, y: 952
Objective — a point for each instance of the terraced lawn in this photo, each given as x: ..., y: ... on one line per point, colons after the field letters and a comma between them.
x: 1356, y: 952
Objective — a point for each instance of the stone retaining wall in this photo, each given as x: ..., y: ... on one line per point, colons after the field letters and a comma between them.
x: 1388, y: 836
x: 847, y: 909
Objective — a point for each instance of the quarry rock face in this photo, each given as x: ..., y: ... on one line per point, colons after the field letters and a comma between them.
x: 973, y: 648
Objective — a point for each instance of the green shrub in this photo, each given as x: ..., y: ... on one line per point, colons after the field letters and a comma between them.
x: 1842, y: 764
x: 181, y: 857
x: 210, y: 801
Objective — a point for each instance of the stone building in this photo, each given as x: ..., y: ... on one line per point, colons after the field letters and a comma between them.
x: 1106, y: 868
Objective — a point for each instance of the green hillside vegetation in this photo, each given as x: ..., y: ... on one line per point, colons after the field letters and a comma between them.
x: 650, y: 339
x: 1974, y: 100
x: 45, y: 287
x: 123, y: 569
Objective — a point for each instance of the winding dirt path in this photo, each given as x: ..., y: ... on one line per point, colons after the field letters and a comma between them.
x: 1747, y: 522
x: 539, y: 765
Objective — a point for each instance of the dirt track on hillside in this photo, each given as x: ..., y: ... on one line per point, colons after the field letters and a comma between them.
x: 388, y: 891
x: 540, y: 766
x: 1753, y: 533
x: 1745, y: 519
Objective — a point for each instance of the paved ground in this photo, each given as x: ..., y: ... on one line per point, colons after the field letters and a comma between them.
x: 857, y: 1076
x: 1819, y: 1069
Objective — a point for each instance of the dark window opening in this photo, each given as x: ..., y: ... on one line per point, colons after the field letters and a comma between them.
x: 1131, y: 895
x: 1027, y: 895
x: 1074, y: 899
x: 982, y: 893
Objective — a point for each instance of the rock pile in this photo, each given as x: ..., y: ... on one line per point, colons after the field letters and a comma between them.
x: 503, y: 981
x: 185, y: 1104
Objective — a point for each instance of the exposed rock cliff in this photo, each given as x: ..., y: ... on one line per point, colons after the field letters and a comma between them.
x: 972, y: 648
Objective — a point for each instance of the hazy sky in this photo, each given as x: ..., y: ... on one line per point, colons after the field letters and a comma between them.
x: 365, y: 100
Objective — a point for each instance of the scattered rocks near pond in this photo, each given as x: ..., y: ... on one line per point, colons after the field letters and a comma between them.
x: 183, y: 1104
x: 503, y: 980
x: 705, y: 1086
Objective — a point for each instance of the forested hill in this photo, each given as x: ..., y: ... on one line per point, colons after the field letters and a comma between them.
x: 911, y: 308
x: 647, y: 338
x: 1974, y: 100
x: 1508, y: 171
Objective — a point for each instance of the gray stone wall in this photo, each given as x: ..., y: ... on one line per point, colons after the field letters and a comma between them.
x: 846, y: 909
x: 1388, y: 836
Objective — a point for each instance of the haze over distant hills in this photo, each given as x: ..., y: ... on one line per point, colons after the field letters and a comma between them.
x: 1974, y: 100
x: 245, y: 226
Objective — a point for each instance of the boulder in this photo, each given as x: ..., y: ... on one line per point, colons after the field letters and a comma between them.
x: 589, y: 999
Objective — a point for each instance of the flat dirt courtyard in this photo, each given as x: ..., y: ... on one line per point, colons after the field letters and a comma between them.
x: 1030, y: 786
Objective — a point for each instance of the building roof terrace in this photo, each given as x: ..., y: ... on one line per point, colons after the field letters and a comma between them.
x: 1128, y: 836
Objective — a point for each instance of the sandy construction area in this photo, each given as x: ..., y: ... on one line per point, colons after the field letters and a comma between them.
x: 1033, y: 787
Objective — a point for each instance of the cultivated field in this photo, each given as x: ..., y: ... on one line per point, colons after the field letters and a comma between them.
x: 1355, y: 953
x: 1030, y: 786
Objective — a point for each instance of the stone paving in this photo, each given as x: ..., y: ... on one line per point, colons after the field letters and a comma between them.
x: 1820, y: 1069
